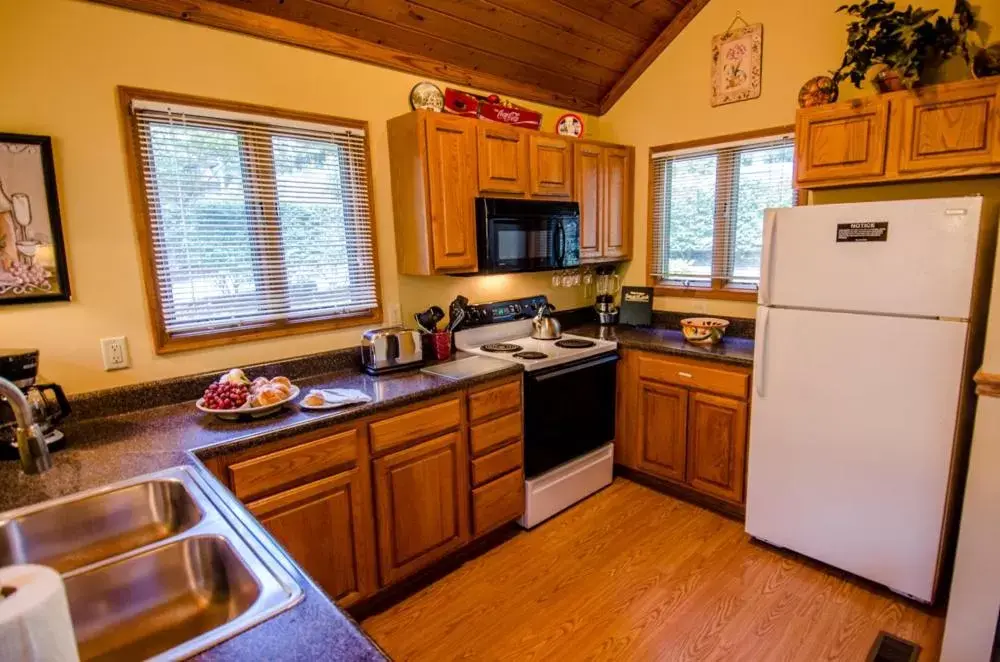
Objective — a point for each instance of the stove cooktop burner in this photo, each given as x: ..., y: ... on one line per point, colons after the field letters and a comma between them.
x: 575, y: 343
x: 531, y: 356
x: 502, y: 347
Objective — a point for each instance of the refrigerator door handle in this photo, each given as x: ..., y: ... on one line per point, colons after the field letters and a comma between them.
x: 759, y: 352
x: 770, y: 230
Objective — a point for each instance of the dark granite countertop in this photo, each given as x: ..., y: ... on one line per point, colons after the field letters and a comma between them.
x: 736, y: 351
x: 106, y: 450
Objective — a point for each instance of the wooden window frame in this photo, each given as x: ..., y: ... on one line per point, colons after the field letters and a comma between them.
x: 719, y: 287
x: 162, y: 341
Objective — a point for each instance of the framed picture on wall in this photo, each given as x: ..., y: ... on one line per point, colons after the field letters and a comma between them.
x: 736, y: 64
x: 32, y: 255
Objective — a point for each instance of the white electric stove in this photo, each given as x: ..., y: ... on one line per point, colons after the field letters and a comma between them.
x: 568, y: 403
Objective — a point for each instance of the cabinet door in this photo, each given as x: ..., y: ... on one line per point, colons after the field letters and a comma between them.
x: 617, y: 217
x: 451, y: 183
x: 551, y: 167
x: 589, y: 195
x: 662, y: 422
x: 717, y: 446
x: 422, y: 505
x: 326, y: 526
x: 843, y: 141
x: 951, y: 126
x: 503, y: 159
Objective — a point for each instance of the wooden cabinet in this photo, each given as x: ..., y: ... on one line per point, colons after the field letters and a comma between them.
x: 434, y: 185
x: 603, y: 188
x: 717, y: 445
x: 842, y: 141
x: 421, y: 504
x: 589, y: 181
x: 684, y: 421
x: 551, y: 167
x: 503, y: 159
x: 937, y: 131
x: 951, y: 127
x: 326, y: 527
x: 617, y: 187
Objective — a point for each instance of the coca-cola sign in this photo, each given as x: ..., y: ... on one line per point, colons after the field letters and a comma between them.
x: 506, y: 115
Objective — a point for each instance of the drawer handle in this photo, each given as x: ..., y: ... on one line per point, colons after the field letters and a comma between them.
x: 685, y: 374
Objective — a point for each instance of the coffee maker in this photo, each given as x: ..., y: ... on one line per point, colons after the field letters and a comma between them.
x: 607, y: 283
x: 48, y: 402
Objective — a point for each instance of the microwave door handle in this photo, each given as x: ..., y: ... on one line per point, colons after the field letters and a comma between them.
x: 559, y: 239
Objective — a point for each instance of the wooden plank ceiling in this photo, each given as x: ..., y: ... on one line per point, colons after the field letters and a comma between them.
x: 576, y: 54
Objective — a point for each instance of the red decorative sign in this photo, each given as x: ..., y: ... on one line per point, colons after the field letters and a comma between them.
x: 526, y: 119
x: 460, y: 103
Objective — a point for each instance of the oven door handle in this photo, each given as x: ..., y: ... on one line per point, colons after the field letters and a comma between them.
x: 602, y: 360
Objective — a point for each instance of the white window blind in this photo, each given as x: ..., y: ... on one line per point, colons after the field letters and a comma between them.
x: 254, y: 220
x: 708, y: 210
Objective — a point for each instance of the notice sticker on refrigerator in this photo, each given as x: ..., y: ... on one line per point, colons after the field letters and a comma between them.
x: 873, y: 231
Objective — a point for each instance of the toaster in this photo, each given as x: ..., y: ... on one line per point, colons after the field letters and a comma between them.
x: 390, y: 349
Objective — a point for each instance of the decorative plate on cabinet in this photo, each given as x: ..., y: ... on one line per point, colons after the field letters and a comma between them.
x: 426, y: 96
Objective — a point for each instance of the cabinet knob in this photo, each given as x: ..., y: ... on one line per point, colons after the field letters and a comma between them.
x: 688, y: 375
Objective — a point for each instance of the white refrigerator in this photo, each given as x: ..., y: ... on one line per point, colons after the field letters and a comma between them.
x: 859, y: 364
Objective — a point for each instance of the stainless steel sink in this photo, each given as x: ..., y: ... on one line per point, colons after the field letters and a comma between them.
x: 93, y: 528
x: 158, y: 567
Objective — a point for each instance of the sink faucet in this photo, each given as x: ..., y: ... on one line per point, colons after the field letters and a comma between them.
x: 31, y: 444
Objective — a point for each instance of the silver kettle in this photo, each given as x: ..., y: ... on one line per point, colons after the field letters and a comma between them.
x: 544, y: 326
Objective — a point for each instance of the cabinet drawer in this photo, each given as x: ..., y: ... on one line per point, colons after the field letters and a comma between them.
x: 491, y: 434
x: 267, y: 473
x: 694, y: 375
x: 494, y: 401
x: 425, y: 422
x: 496, y: 463
x: 497, y: 503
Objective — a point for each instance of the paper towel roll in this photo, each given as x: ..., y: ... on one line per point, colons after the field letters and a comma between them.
x: 35, y: 624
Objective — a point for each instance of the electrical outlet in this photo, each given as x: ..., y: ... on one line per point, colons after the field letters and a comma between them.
x: 395, y: 316
x: 114, y: 351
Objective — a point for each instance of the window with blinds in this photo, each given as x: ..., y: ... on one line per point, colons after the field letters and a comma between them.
x: 253, y: 221
x: 708, y: 210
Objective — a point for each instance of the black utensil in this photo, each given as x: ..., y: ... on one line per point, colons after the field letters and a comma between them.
x: 436, y: 315
x: 456, y: 312
x: 428, y: 319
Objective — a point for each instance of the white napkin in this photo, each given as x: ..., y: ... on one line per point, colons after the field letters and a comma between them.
x: 344, y: 396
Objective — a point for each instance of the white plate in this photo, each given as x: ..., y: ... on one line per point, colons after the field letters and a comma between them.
x: 330, y: 405
x: 251, y: 412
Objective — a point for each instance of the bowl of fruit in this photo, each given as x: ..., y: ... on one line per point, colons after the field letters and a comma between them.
x: 234, y: 396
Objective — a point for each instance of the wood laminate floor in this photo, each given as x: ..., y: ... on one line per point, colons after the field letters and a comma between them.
x: 631, y: 574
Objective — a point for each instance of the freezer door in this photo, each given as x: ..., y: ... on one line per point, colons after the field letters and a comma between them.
x: 814, y: 258
x: 851, y: 438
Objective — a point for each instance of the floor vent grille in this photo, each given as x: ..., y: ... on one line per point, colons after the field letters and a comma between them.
x: 888, y: 648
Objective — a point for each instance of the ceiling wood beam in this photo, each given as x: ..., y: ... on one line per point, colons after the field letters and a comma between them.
x: 217, y: 15
x: 669, y: 33
x: 578, y: 23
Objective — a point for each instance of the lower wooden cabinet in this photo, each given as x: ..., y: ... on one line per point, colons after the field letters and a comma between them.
x: 717, y: 445
x: 693, y: 434
x: 326, y: 527
x: 421, y: 505
x: 662, y: 429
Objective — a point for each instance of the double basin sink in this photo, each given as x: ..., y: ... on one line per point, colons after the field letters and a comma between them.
x: 156, y: 567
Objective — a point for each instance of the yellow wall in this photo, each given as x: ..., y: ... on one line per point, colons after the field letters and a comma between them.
x: 63, y: 60
x: 670, y: 101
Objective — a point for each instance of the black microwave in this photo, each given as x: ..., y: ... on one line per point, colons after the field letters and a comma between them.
x: 526, y: 235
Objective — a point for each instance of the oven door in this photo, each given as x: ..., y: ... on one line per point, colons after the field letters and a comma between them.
x: 526, y: 237
x: 569, y: 410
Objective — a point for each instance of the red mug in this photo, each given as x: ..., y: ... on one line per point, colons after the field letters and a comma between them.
x: 441, y: 341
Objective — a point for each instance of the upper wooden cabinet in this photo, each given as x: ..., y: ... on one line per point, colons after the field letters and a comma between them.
x: 603, y: 187
x: 440, y: 163
x: 433, y: 161
x: 503, y: 159
x: 939, y: 131
x: 842, y: 142
x: 951, y: 127
x: 551, y: 166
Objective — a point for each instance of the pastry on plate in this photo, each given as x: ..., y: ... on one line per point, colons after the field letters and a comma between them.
x: 314, y: 399
x: 268, y: 396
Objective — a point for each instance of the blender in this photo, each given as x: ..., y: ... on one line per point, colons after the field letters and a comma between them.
x: 607, y: 283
